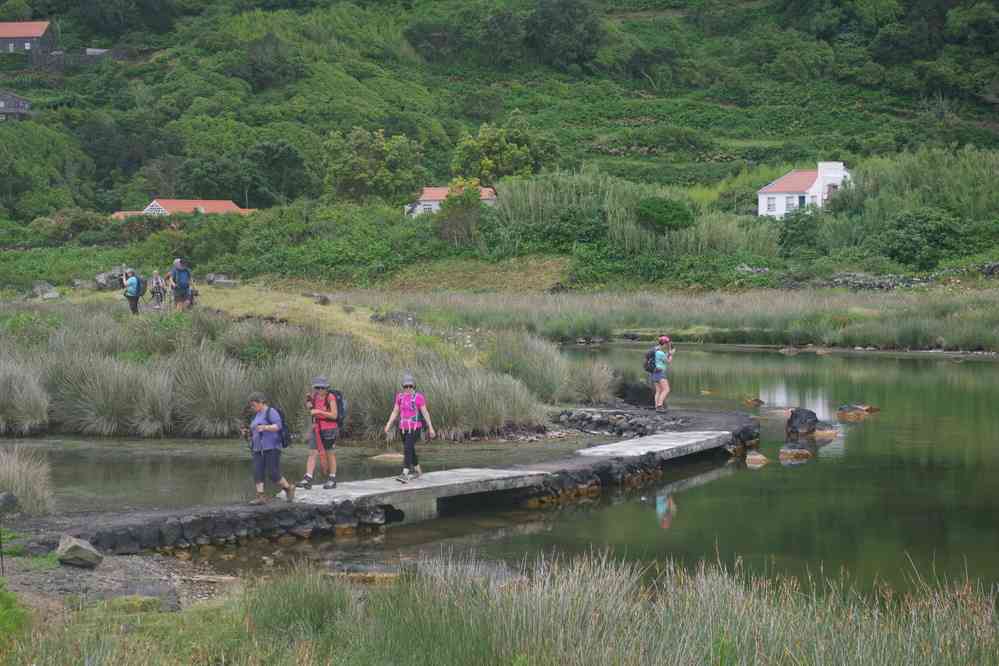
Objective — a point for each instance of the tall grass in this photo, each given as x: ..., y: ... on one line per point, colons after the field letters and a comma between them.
x: 210, y: 392
x: 951, y: 320
x: 24, y: 404
x: 578, y: 612
x: 26, y: 474
x: 536, y: 362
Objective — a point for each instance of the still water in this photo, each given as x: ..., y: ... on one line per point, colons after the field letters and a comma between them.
x: 913, y: 488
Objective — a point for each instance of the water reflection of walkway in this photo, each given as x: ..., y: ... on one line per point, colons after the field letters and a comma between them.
x: 665, y: 498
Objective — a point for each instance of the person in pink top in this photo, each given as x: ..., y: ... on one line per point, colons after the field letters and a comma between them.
x: 411, y: 410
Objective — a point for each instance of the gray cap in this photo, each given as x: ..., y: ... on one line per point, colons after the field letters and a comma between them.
x: 320, y: 382
x: 408, y: 379
x: 257, y: 396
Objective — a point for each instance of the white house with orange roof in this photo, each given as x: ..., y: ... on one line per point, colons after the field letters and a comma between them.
x: 186, y: 206
x: 431, y: 199
x: 798, y: 189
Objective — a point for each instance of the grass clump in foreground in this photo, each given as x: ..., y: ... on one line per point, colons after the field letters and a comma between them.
x: 590, y: 610
x: 26, y: 474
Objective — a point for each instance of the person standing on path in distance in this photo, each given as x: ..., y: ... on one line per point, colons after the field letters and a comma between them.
x: 664, y: 357
x: 158, y: 288
x: 325, y: 421
x: 180, y: 280
x: 265, y: 444
x: 411, y: 409
x: 132, y: 291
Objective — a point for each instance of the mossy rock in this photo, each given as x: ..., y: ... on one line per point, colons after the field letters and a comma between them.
x: 135, y: 603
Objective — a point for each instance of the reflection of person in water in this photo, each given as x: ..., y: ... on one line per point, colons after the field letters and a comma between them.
x: 665, y: 510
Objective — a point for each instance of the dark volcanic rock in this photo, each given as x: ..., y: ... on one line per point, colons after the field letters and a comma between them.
x: 77, y: 553
x: 8, y: 502
x: 801, y: 423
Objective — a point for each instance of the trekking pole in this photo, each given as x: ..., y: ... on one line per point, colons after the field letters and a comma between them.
x: 324, y: 463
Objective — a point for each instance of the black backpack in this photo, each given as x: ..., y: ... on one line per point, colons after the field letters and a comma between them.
x: 341, y: 408
x: 284, y: 433
x: 143, y: 284
x: 650, y: 360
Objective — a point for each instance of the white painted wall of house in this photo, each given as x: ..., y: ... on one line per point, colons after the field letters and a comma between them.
x: 830, y: 174
x: 432, y: 206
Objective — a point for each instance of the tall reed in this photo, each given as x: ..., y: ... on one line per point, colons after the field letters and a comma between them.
x: 26, y: 473
x: 24, y: 404
x: 211, y: 392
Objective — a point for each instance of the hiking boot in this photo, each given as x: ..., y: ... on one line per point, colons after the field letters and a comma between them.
x: 305, y: 483
x: 330, y: 483
x: 405, y: 477
x: 259, y: 500
x: 289, y: 493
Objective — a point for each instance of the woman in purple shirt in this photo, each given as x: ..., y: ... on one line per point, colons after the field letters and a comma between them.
x: 265, y: 437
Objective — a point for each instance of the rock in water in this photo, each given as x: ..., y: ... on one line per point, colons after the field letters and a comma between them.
x: 77, y: 553
x: 855, y: 412
x: 755, y: 459
x: 8, y: 502
x: 801, y: 423
x: 795, y: 454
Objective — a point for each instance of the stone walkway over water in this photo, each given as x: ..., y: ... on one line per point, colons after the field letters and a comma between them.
x: 362, y: 506
x: 418, y: 499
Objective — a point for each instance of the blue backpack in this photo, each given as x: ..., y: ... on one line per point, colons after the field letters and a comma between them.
x: 182, y: 278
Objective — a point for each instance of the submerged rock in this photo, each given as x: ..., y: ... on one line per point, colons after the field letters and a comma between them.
x: 795, y: 454
x: 77, y: 553
x: 856, y: 412
x: 753, y: 402
x: 755, y: 459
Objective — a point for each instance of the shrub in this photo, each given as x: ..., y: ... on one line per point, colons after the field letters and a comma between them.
x: 211, y: 392
x: 532, y: 360
x: 24, y: 404
x: 592, y: 382
x: 26, y: 473
x: 660, y: 215
x: 920, y: 238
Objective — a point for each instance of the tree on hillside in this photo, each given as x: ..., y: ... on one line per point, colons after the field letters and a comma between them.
x: 219, y: 177
x: 266, y: 62
x: 565, y: 32
x: 365, y: 164
x: 512, y: 149
x: 15, y: 10
x: 282, y: 169
x: 457, y: 222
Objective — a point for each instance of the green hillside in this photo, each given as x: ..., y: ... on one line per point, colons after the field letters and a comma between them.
x: 333, y: 114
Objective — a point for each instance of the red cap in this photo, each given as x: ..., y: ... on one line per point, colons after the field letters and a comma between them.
x: 664, y: 339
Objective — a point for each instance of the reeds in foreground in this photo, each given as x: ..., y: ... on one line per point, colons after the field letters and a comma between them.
x: 24, y: 404
x: 591, y: 610
x: 26, y: 474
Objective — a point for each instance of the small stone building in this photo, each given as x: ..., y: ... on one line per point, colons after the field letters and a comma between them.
x: 28, y: 37
x: 13, y: 107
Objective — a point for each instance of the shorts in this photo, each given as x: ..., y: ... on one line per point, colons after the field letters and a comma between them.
x: 329, y: 439
x: 267, y: 465
x: 658, y: 376
x: 181, y: 294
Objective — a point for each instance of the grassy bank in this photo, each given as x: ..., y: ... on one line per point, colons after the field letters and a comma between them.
x: 586, y: 611
x: 940, y: 319
x: 189, y: 375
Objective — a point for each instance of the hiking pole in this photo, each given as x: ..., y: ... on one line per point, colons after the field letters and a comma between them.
x: 324, y: 463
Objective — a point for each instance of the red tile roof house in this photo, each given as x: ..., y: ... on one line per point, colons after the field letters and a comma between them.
x: 186, y: 206
x: 798, y: 189
x: 431, y: 199
x: 26, y: 37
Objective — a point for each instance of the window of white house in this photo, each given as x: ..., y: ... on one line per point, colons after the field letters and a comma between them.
x: 428, y: 208
x: 790, y: 203
x: 813, y: 200
x: 2, y: 103
x: 27, y: 46
x: 771, y: 204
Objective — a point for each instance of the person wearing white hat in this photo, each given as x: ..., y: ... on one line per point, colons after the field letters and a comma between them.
x: 411, y: 410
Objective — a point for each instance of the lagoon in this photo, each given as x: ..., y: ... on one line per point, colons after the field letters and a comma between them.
x: 910, y: 490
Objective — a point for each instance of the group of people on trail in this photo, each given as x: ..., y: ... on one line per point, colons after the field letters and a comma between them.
x: 179, y: 279
x: 269, y: 434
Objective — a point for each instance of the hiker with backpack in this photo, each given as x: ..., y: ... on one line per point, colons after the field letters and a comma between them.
x: 657, y: 362
x: 134, y: 288
x: 411, y: 409
x: 327, y: 409
x: 158, y: 289
x: 180, y: 280
x: 268, y: 436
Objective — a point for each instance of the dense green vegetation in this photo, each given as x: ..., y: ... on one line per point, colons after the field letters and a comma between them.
x: 590, y: 610
x: 670, y: 113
